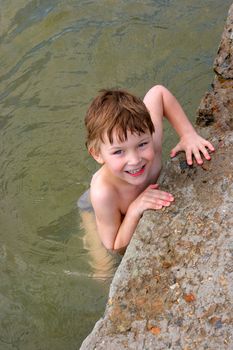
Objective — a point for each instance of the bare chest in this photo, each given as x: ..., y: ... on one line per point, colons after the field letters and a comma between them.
x: 127, y: 197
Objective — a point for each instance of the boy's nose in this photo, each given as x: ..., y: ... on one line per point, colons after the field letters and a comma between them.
x: 134, y: 158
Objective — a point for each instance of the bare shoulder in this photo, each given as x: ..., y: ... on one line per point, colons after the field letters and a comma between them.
x: 102, y: 193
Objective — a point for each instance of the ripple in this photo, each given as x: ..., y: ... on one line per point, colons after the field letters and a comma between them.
x: 28, y: 16
x: 35, y: 68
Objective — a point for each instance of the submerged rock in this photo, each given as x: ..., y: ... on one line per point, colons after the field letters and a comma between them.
x: 174, y: 286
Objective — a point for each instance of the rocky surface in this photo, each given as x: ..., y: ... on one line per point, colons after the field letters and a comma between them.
x: 174, y: 287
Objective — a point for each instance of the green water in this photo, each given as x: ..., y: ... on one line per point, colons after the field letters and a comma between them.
x: 54, y: 56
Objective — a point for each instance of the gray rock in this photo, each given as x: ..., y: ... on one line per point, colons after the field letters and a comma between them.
x: 174, y: 286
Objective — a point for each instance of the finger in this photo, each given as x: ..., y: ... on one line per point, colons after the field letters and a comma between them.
x: 159, y: 193
x: 210, y: 146
x: 173, y: 153
x: 197, y: 156
x: 157, y: 207
x: 165, y: 203
x: 205, y: 153
x: 162, y: 196
x: 159, y: 204
x: 162, y: 204
x: 154, y: 186
x: 189, y: 157
x: 175, y: 150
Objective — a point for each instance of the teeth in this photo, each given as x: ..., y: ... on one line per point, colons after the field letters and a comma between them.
x: 134, y: 171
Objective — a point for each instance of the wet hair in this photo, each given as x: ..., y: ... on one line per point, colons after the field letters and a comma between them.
x: 115, y: 111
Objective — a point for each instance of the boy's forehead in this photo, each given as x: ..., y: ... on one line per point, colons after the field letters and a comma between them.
x: 119, y: 137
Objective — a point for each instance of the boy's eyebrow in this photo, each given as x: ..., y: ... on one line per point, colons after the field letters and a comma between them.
x: 145, y: 138
x: 115, y: 147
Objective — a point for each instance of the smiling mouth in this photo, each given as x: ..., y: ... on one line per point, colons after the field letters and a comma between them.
x: 136, y: 172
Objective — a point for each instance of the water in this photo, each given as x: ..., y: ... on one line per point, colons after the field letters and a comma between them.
x: 55, y: 56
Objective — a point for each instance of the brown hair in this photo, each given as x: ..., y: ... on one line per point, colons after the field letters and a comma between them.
x: 116, y: 110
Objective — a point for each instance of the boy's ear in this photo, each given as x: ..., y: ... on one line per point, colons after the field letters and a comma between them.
x: 96, y: 155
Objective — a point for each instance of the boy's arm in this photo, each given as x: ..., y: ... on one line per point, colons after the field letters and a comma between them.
x: 116, y: 232
x: 160, y: 102
x: 110, y: 224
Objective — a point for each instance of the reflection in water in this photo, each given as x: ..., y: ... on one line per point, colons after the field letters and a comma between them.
x: 55, y: 56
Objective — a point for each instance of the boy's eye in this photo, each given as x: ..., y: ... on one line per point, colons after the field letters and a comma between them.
x: 119, y: 151
x: 142, y: 144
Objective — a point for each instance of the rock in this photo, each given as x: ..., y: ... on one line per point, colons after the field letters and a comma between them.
x: 174, y: 286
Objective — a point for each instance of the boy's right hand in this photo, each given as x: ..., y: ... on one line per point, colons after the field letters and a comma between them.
x: 151, y: 198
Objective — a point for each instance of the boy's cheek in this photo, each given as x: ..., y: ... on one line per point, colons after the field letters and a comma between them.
x: 151, y: 154
x: 116, y: 166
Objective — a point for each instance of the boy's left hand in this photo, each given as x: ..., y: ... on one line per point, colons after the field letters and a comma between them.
x: 193, y: 145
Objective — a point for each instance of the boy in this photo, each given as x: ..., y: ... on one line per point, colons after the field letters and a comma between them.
x: 125, y: 137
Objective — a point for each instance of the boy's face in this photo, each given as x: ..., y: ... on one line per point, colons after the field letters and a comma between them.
x: 130, y: 160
